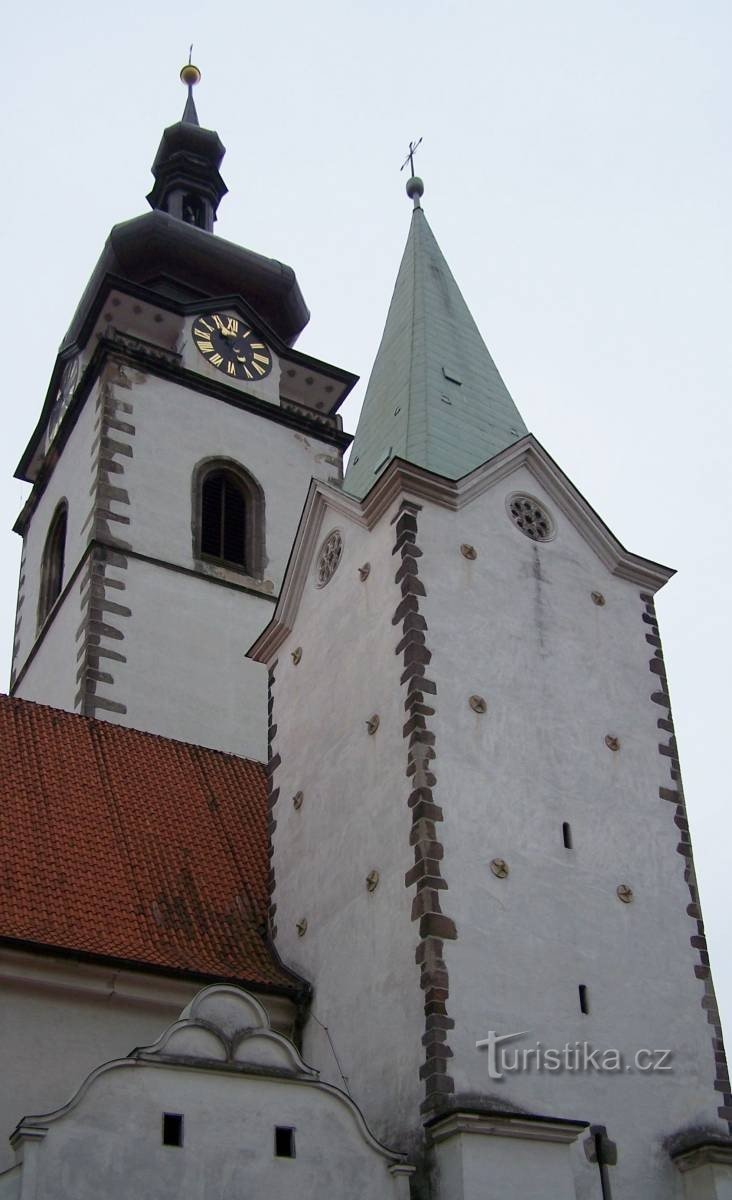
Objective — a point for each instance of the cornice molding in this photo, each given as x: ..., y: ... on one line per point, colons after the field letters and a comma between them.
x: 91, y: 979
x: 717, y: 1151
x: 403, y: 479
x: 161, y: 363
x: 508, y: 1125
x: 298, y: 993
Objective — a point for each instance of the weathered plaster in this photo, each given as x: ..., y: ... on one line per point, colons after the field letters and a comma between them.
x: 517, y: 625
x: 367, y: 1016
x: 92, y: 1013
x: 232, y: 1079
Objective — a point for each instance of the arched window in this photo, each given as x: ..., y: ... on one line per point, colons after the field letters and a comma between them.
x: 52, y: 565
x: 229, y: 525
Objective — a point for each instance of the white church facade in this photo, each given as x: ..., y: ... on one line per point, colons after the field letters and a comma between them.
x: 345, y: 847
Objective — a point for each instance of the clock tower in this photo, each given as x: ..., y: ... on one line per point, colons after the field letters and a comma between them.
x: 169, y: 466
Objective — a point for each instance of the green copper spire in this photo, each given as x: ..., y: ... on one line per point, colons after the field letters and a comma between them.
x: 435, y: 397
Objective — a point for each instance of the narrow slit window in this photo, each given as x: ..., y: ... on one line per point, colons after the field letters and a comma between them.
x: 584, y: 999
x: 284, y: 1141
x: 567, y: 835
x: 172, y: 1129
x: 193, y: 211
x: 52, y: 566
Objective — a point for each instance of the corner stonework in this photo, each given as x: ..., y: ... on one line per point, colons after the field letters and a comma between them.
x: 674, y: 794
x: 426, y: 874
x: 273, y: 761
x: 100, y: 634
x: 19, y: 611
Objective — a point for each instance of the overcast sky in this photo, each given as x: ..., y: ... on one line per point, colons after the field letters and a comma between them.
x: 577, y: 160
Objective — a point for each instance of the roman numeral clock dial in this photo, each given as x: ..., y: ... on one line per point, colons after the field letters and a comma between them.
x: 231, y: 346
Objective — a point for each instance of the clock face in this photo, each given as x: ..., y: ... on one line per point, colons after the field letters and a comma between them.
x: 232, y: 346
x: 69, y: 380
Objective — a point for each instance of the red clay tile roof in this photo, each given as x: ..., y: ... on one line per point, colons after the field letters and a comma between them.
x: 125, y: 845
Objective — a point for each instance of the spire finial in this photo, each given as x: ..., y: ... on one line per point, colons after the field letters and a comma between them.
x: 415, y: 187
x: 190, y: 76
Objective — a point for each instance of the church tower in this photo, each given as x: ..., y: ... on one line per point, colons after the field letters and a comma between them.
x: 169, y: 466
x: 486, y: 867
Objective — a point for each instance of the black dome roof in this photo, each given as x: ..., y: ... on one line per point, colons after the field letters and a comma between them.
x: 183, y: 263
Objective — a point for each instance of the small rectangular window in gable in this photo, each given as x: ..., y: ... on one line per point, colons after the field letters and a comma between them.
x: 172, y: 1129
x: 284, y: 1141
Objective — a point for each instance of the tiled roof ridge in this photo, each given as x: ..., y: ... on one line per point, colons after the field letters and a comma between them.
x: 133, y: 847
x: 124, y: 730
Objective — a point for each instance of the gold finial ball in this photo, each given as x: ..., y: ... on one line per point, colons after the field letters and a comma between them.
x: 190, y: 75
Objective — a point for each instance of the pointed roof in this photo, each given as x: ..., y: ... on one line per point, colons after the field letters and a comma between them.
x: 435, y: 397
x: 186, y: 168
x: 190, y: 116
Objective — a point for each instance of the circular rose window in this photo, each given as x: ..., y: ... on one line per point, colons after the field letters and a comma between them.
x: 329, y: 558
x: 530, y: 517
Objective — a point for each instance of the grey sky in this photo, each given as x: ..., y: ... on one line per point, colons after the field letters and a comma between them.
x: 577, y: 159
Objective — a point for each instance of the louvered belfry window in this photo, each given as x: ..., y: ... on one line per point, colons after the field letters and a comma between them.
x: 229, y: 516
x: 224, y: 518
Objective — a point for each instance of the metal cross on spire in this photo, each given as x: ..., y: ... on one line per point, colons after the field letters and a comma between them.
x: 415, y: 187
x: 410, y: 157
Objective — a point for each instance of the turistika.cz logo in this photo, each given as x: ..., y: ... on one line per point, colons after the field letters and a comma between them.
x: 578, y: 1057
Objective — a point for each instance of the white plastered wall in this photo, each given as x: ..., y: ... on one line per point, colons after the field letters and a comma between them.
x: 59, y: 1019
x: 71, y: 480
x: 50, y: 674
x: 185, y: 635
x: 175, y: 429
x: 472, y: 1166
x: 113, y: 1132
x: 186, y: 674
x: 518, y: 626
x: 359, y: 946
